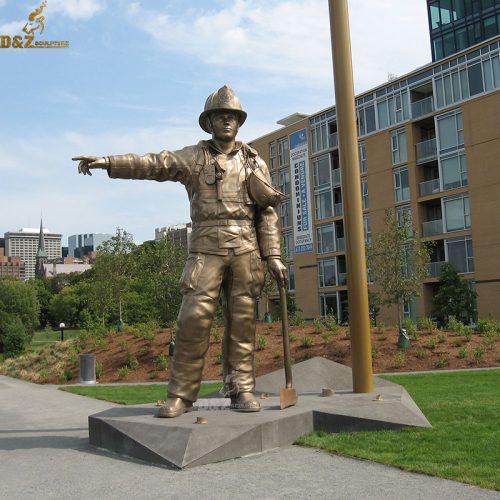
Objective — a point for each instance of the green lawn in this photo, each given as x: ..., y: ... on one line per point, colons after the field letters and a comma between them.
x: 133, y: 394
x: 464, y: 443
x: 44, y: 337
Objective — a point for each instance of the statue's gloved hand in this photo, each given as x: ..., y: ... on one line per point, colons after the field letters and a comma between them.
x: 277, y: 270
x: 88, y: 162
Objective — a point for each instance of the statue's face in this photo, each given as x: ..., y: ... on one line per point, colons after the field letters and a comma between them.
x: 225, y: 125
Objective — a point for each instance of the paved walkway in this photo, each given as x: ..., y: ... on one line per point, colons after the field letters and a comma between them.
x: 44, y: 453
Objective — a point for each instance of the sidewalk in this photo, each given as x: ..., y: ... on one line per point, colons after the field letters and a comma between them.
x: 44, y: 453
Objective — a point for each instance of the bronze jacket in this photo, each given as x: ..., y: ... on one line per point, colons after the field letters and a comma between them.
x: 224, y: 217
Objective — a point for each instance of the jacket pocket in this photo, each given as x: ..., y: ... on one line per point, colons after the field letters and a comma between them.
x: 191, y: 272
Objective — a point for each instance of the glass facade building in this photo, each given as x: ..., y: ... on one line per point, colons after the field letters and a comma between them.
x: 456, y: 25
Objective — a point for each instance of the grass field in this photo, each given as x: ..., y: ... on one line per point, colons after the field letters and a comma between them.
x: 133, y: 394
x: 44, y: 337
x: 463, y: 444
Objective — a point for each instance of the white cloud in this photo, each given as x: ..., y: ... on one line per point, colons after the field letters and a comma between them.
x: 77, y: 9
x: 13, y: 28
x: 280, y: 40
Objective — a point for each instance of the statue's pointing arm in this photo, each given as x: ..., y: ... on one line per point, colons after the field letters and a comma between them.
x: 164, y: 166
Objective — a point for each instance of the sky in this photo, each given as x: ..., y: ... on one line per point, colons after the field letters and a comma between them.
x: 135, y: 79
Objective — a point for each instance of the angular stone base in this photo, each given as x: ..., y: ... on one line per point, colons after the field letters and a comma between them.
x: 180, y: 442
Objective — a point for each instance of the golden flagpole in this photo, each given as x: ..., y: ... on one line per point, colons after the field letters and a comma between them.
x: 359, y: 319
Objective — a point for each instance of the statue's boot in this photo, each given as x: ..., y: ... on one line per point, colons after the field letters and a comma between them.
x: 245, y: 401
x: 174, y: 407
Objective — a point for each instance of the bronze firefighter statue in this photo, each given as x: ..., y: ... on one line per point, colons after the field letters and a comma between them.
x: 234, y: 229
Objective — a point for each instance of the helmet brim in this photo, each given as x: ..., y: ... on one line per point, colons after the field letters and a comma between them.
x: 202, y: 120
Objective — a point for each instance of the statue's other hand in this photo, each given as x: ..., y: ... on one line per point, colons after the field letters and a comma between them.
x: 277, y: 269
x: 88, y: 162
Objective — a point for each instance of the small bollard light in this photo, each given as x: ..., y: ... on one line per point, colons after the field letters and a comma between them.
x: 62, y: 326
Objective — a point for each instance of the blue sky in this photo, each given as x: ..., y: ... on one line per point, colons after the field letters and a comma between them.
x: 136, y: 77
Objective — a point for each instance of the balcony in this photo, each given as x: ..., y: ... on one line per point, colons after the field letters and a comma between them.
x: 336, y: 176
x: 432, y: 227
x: 422, y: 107
x: 426, y: 151
x: 340, y: 244
x: 434, y: 269
x: 338, y: 209
x: 333, y: 140
x: 430, y: 187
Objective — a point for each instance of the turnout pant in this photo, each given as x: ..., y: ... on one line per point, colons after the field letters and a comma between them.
x: 241, y: 278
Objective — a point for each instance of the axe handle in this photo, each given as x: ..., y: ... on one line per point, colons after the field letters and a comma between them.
x: 286, y: 342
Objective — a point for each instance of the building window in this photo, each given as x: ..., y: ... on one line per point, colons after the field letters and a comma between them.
x: 327, y: 273
x: 459, y: 253
x: 291, y: 277
x: 272, y: 155
x: 399, y: 146
x: 401, y: 184
x: 451, y: 131
x: 322, y: 187
x: 362, y: 158
x: 364, y: 194
x: 283, y: 152
x: 288, y: 245
x: 456, y: 212
x: 321, y: 168
x: 366, y: 119
x: 328, y: 304
x: 367, y: 227
x: 393, y: 109
x: 325, y: 238
x: 285, y: 182
x: 285, y: 214
x: 324, y: 204
x: 454, y: 171
x: 323, y: 132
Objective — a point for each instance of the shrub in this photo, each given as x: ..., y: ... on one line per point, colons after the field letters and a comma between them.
x: 426, y: 325
x: 327, y: 336
x: 217, y: 335
x: 478, y: 354
x: 131, y: 362
x: 339, y: 353
x: 431, y: 344
x: 292, y: 337
x: 261, y: 343
x: 456, y: 325
x: 331, y: 324
x: 318, y: 325
x: 488, y: 327
x: 422, y: 354
x: 442, y: 361
x: 296, y: 319
x: 13, y: 336
x: 399, y: 359
x: 218, y: 358
x: 441, y: 338
x: 410, y: 328
x: 99, y: 368
x: 161, y: 362
x: 122, y: 372
x: 123, y: 345
x: 374, y: 352
x: 347, y: 334
x: 462, y: 353
x: 306, y: 342
x: 66, y: 375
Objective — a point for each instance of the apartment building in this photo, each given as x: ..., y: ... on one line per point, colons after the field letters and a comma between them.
x: 24, y: 244
x: 429, y: 145
x: 178, y: 233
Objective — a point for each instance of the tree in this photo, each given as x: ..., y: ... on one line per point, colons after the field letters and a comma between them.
x: 65, y: 307
x: 112, y: 268
x: 455, y: 296
x: 397, y: 259
x: 13, y: 335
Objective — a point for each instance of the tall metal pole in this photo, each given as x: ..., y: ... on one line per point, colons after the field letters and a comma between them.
x: 359, y: 320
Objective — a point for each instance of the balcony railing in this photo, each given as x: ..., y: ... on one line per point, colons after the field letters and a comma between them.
x: 434, y: 268
x: 422, y: 107
x: 337, y: 209
x: 426, y: 151
x: 336, y: 176
x: 340, y: 244
x: 432, y: 228
x: 430, y: 187
x: 333, y: 140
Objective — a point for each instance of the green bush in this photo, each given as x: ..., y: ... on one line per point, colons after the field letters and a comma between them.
x: 122, y: 372
x: 426, y: 325
x: 331, y: 323
x: 217, y: 335
x: 488, y: 327
x: 422, y: 354
x: 399, y: 359
x: 442, y: 361
x: 261, y: 343
x: 161, y: 362
x: 13, y: 336
x: 296, y: 319
x: 462, y: 353
x: 411, y: 329
x: 306, y: 342
x: 99, y: 368
x: 318, y: 325
x: 131, y: 362
x: 456, y: 325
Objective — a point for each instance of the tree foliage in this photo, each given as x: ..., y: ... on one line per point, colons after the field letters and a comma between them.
x: 455, y: 296
x: 397, y: 259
